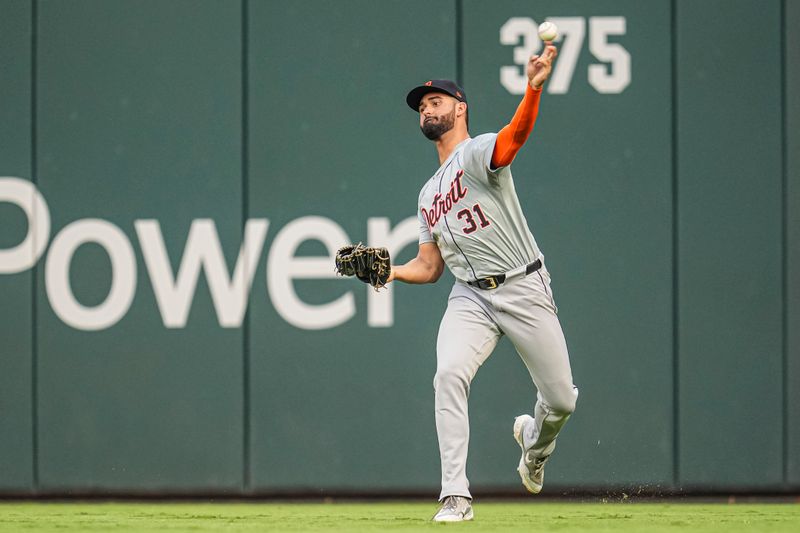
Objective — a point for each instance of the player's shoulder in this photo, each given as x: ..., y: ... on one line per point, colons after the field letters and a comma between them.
x: 484, y: 137
x: 481, y: 142
x: 477, y: 150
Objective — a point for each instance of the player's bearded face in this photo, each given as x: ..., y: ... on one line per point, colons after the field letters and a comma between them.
x: 434, y: 127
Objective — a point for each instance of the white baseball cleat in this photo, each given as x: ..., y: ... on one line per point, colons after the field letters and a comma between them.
x: 531, y: 469
x: 454, y: 509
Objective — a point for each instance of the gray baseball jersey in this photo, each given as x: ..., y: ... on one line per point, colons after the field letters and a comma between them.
x: 473, y: 214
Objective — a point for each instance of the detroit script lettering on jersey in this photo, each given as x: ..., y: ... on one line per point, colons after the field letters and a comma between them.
x: 441, y: 206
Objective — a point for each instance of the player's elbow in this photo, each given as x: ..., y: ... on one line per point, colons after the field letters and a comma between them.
x: 436, y: 273
x: 431, y: 263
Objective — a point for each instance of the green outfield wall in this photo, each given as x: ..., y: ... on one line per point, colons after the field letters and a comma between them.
x: 176, y: 176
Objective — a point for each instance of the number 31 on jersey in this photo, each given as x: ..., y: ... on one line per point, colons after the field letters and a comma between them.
x: 470, y: 224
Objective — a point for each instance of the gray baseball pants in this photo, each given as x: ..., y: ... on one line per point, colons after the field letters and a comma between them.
x: 522, y: 308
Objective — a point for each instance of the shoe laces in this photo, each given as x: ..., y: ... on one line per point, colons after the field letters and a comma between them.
x: 536, y: 464
x: 450, y: 504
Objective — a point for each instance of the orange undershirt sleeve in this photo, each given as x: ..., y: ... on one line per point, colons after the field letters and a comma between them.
x: 511, y: 138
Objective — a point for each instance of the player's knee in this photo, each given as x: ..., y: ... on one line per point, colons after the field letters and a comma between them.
x: 450, y: 377
x: 567, y: 407
x: 564, y: 402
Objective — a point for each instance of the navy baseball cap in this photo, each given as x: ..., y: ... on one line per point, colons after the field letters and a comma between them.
x: 435, y: 86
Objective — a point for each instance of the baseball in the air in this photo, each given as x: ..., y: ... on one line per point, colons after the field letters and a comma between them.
x: 548, y: 31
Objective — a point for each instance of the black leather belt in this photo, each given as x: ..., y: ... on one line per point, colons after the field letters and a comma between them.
x: 492, y: 282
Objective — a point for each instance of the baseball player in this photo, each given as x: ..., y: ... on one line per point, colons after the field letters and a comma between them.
x: 471, y: 220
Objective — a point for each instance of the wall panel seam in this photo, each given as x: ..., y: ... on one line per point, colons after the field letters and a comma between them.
x: 245, y: 214
x: 459, y: 12
x: 784, y: 248
x: 675, y: 243
x: 34, y: 269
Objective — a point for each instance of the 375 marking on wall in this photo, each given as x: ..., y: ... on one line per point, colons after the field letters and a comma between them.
x: 611, y: 75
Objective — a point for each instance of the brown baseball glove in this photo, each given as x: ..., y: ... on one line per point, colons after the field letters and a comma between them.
x: 370, y: 265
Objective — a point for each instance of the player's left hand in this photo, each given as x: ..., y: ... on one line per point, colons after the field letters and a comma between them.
x: 371, y: 265
x: 539, y: 66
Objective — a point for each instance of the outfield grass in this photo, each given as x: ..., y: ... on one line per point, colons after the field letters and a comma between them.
x: 347, y: 517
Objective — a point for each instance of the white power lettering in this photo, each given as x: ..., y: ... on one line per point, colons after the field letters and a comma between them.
x: 203, y: 250
x: 283, y: 267
x: 123, y: 274
x: 174, y: 293
x: 26, y: 196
